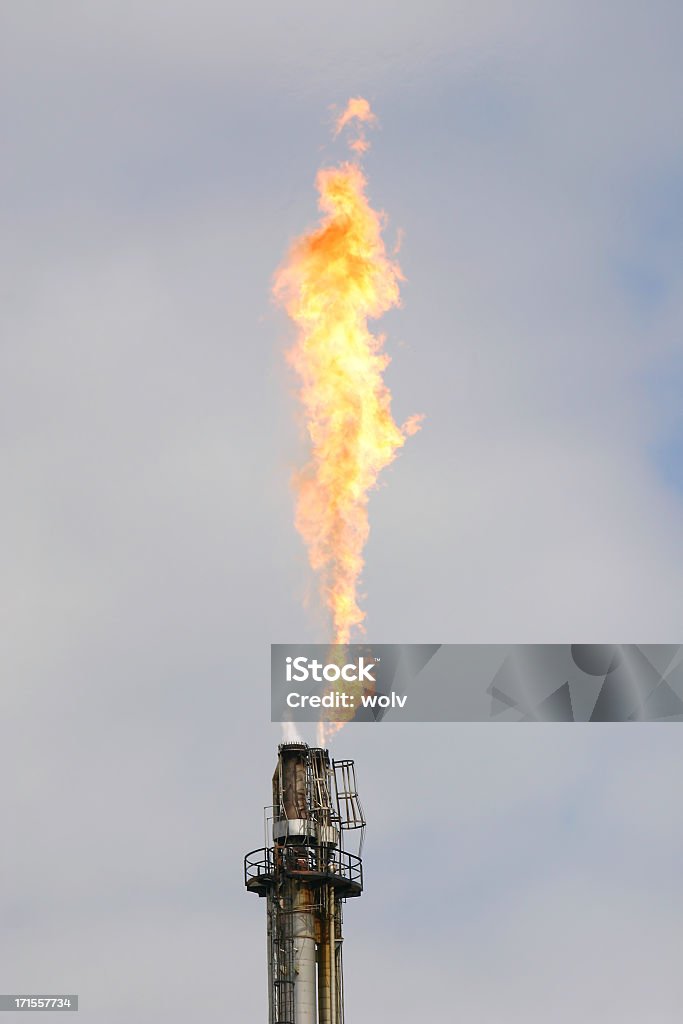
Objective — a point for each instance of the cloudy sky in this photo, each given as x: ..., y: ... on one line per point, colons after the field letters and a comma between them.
x: 157, y: 159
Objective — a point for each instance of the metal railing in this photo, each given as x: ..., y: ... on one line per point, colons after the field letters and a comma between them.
x: 336, y: 867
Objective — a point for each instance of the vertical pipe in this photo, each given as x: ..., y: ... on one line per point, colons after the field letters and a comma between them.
x: 290, y: 795
x: 271, y: 926
x: 304, y: 956
x: 333, y: 957
x: 325, y: 953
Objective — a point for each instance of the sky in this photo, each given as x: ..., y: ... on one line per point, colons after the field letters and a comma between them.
x: 157, y: 161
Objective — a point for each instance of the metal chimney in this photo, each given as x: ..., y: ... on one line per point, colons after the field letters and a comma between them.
x: 306, y: 873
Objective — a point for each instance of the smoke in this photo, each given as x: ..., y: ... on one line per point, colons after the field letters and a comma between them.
x: 290, y: 733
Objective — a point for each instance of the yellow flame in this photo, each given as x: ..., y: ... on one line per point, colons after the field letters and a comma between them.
x: 357, y: 109
x: 334, y: 280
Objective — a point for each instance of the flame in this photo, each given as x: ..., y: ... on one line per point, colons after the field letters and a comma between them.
x: 335, y: 279
x: 359, y: 109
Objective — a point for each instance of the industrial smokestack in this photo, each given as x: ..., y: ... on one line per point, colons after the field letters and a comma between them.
x: 306, y: 873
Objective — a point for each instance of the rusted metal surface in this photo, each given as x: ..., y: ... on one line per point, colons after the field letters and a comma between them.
x: 289, y: 781
x: 305, y: 875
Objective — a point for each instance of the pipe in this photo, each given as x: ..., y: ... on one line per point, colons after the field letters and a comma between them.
x: 324, y: 971
x: 271, y: 926
x: 303, y: 933
x: 333, y: 958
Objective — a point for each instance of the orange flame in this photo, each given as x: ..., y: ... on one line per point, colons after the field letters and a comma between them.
x: 334, y: 280
x: 359, y: 109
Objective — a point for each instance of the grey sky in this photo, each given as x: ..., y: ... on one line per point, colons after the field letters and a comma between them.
x: 157, y: 160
